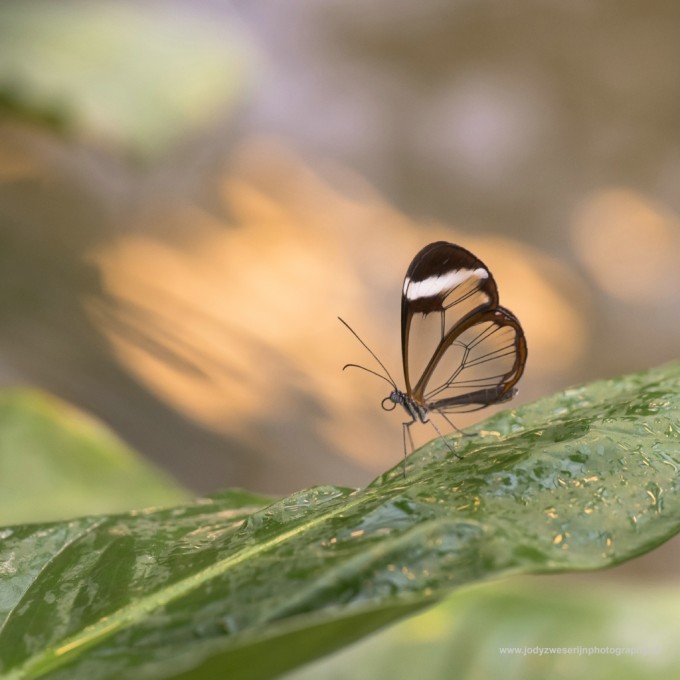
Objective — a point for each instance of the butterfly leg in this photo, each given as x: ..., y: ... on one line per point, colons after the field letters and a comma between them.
x: 448, y: 444
x: 406, y: 434
x: 457, y: 429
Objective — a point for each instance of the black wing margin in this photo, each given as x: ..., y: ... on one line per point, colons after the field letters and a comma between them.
x: 444, y: 285
x: 460, y: 350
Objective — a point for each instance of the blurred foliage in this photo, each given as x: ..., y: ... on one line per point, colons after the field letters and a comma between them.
x: 237, y: 586
x: 555, y: 161
x: 462, y: 637
x: 130, y: 77
x: 57, y: 463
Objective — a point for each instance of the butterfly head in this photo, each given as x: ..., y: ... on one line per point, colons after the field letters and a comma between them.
x: 390, y: 402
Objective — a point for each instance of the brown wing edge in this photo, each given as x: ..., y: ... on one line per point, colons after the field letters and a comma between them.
x: 505, y: 389
x: 432, y: 260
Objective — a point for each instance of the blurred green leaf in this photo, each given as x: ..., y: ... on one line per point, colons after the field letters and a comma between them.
x: 56, y: 463
x: 128, y: 76
x: 582, y: 480
x: 524, y: 630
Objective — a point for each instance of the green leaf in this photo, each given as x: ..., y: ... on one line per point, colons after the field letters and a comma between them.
x: 126, y: 76
x: 56, y: 463
x: 582, y: 480
x: 524, y: 630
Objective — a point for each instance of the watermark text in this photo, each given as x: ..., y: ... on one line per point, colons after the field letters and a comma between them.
x: 579, y: 650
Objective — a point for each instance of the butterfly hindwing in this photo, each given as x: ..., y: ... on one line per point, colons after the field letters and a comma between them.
x: 460, y: 350
x: 479, y: 364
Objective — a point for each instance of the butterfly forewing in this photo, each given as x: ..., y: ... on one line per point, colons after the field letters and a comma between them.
x: 461, y: 351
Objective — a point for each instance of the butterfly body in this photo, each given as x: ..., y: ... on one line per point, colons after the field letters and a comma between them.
x: 417, y: 412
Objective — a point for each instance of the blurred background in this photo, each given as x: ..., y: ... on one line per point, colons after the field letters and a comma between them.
x: 191, y: 193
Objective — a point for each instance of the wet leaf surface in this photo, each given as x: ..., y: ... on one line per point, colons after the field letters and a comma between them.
x: 237, y: 586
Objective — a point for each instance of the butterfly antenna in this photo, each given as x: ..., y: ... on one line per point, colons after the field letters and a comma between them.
x: 391, y: 379
x: 368, y: 370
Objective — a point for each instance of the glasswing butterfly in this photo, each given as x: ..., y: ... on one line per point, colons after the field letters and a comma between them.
x: 461, y: 351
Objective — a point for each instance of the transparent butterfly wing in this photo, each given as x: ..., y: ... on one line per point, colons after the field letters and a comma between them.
x: 478, y: 364
x: 460, y: 350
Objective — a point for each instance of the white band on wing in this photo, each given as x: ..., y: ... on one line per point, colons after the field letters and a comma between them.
x: 436, y: 285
